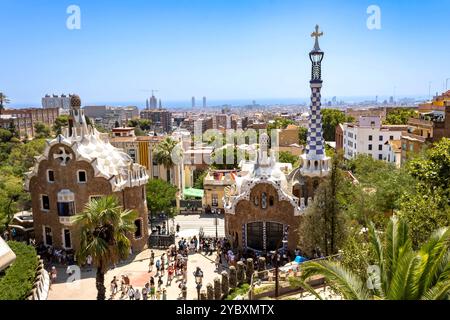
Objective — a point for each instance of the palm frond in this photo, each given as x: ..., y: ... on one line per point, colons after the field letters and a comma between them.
x: 343, y: 281
x: 441, y: 291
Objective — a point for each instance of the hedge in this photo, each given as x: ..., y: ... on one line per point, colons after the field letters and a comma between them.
x: 17, y: 280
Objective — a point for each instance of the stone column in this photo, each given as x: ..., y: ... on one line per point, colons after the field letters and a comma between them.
x: 225, y: 283
x: 217, y: 289
x: 240, y: 272
x: 250, y: 269
x: 210, y: 291
x: 233, y: 277
x: 262, y: 267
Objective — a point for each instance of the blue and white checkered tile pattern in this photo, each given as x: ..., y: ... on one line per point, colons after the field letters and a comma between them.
x: 315, y: 143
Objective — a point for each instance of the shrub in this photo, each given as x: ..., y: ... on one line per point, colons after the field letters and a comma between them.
x: 239, y: 291
x: 18, y: 280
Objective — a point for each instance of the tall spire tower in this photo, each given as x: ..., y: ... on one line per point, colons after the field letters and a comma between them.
x: 314, y: 161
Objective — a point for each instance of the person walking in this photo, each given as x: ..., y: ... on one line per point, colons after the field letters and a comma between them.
x: 131, y: 293
x: 152, y: 291
x: 53, y: 275
x: 164, y: 294
x: 137, y: 294
x: 145, y: 292
x: 113, y: 287
x: 158, y: 267
x: 160, y: 282
x: 170, y: 272
x: 151, y: 262
x: 158, y: 294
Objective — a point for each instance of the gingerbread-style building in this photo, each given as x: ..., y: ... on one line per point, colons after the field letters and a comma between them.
x: 264, y: 210
x: 78, y: 166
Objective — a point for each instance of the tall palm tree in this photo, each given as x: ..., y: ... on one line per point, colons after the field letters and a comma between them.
x: 163, y: 154
x: 404, y: 274
x: 4, y: 100
x: 104, y: 226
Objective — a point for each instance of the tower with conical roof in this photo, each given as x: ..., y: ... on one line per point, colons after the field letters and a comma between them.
x: 315, y: 163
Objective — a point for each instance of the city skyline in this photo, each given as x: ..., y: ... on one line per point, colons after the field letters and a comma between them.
x: 254, y: 50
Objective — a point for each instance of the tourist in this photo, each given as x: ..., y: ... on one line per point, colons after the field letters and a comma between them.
x: 89, y: 262
x: 145, y: 292
x: 178, y: 228
x: 217, y: 262
x: 152, y: 291
x: 170, y: 272
x: 151, y: 262
x: 131, y: 293
x: 158, y: 267
x: 158, y: 295
x: 137, y: 294
x: 113, y: 287
x: 162, y: 263
x: 152, y: 281
x: 160, y: 282
x: 53, y: 275
x: 164, y: 294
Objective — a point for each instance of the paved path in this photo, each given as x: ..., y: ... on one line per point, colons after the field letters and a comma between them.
x: 198, y: 221
x: 137, y: 270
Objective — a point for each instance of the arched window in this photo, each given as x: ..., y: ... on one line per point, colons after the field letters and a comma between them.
x: 271, y: 200
x: 264, y: 200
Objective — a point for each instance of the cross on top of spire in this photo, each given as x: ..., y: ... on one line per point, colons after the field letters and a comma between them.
x: 316, y: 34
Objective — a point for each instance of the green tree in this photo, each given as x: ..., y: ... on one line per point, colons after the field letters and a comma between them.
x: 60, y: 122
x: 425, y: 211
x: 287, y: 157
x: 403, y: 274
x: 330, y: 119
x: 160, y: 196
x: 11, y: 197
x: 22, y: 156
x: 279, y: 123
x: 104, y: 227
x: 163, y: 152
x: 199, y: 176
x: 324, y: 224
x: 4, y: 100
x: 399, y: 116
x: 41, y: 131
x: 302, y: 135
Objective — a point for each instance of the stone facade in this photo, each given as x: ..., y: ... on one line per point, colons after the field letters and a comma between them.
x: 74, y: 169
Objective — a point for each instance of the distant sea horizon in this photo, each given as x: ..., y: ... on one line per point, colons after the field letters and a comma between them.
x: 186, y: 104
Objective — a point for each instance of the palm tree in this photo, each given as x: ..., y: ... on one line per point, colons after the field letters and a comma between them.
x: 104, y: 228
x: 163, y: 154
x: 403, y: 274
x: 4, y: 100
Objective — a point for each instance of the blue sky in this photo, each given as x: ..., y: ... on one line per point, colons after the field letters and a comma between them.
x: 224, y: 49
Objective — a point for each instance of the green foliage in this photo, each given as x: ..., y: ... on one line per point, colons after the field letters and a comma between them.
x: 143, y: 124
x: 104, y: 229
x: 399, y: 116
x: 19, y: 278
x: 164, y: 151
x: 199, y: 176
x: 324, y: 224
x: 425, y: 211
x: 330, y: 119
x: 279, y: 123
x: 403, y: 274
x: 242, y: 290
x: 60, y: 122
x: 287, y: 157
x: 160, y: 196
x: 5, y: 135
x: 22, y: 155
x: 434, y: 168
x: 302, y: 135
x: 41, y: 130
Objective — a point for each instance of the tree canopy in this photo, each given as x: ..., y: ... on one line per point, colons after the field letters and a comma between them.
x: 160, y: 196
x: 330, y: 119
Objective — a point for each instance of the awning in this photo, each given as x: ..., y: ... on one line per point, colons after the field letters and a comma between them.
x: 191, y: 192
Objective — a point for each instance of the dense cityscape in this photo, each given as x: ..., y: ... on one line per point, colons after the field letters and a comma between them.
x: 325, y: 199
